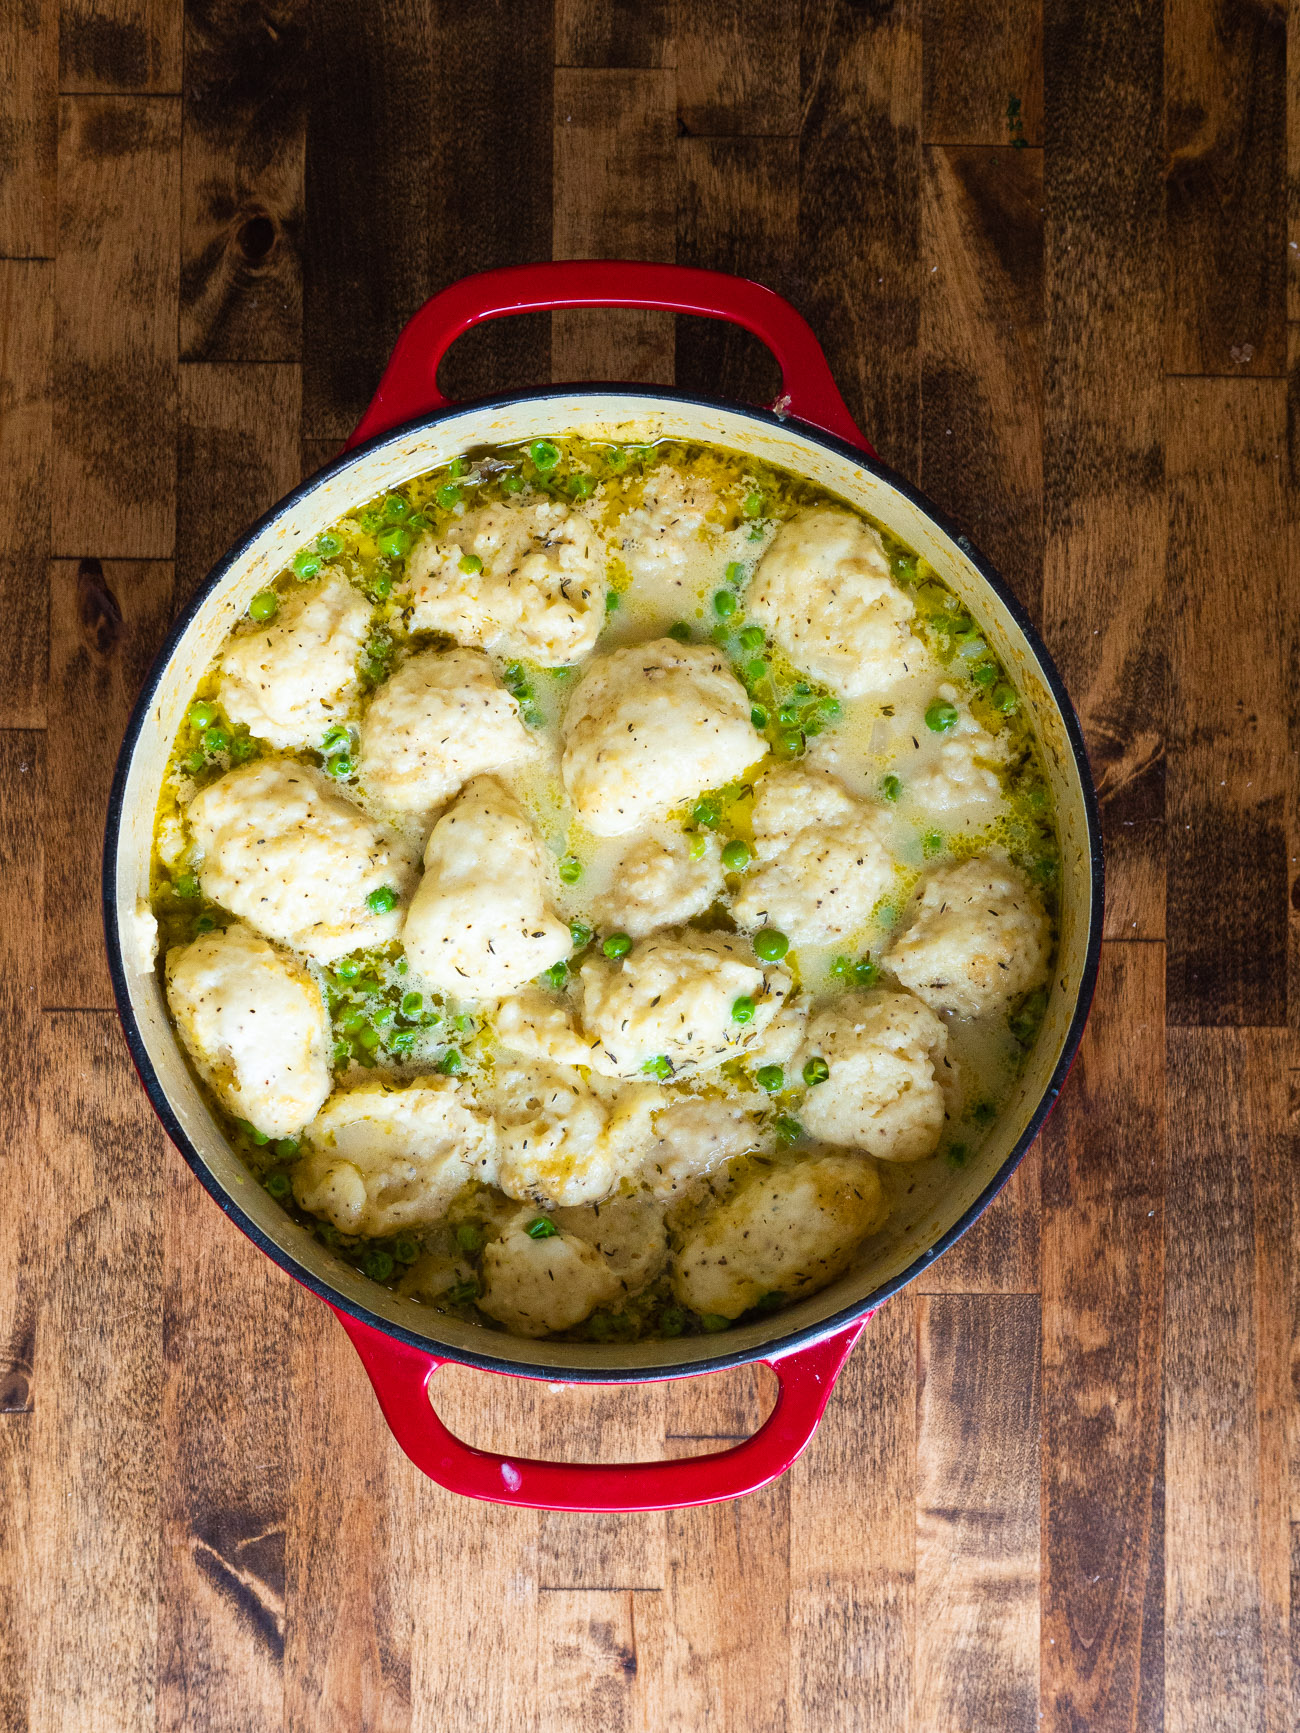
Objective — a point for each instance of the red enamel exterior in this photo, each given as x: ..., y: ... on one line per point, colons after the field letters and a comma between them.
x: 401, y: 1374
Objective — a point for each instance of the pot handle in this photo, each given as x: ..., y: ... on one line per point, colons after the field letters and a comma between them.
x: 409, y: 387
x: 401, y: 1375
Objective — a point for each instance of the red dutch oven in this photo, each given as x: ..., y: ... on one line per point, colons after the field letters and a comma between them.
x: 411, y: 427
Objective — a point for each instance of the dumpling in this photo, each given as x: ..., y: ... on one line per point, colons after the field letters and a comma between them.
x: 519, y: 579
x: 441, y: 719
x: 628, y: 1232
x: 962, y: 770
x: 253, y: 1021
x: 649, y: 727
x: 789, y: 1232
x: 662, y: 534
x: 674, y: 997
x: 286, y: 851
x: 538, y: 1026
x: 978, y: 938
x: 823, y: 858
x: 560, y: 1142
x: 379, y: 1160
x: 661, y: 882
x: 534, y: 1286
x: 824, y: 592
x: 889, y: 1075
x: 289, y: 681
x: 695, y: 1136
x: 481, y: 923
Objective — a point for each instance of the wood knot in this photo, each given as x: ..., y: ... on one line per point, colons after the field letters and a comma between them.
x: 97, y: 607
x: 255, y: 237
x: 15, y: 1391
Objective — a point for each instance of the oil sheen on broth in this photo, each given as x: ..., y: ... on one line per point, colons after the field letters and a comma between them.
x: 606, y: 890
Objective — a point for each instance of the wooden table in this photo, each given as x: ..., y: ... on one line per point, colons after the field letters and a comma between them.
x: 1048, y: 259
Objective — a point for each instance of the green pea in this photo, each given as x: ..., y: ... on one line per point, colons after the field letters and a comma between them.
x: 769, y: 1077
x: 202, y: 716
x: 451, y: 1062
x: 382, y: 901
x: 1003, y: 698
x: 204, y: 924
x: 329, y: 544
x: 564, y: 673
x: 402, y: 1043
x: 611, y: 601
x: 457, y: 466
x: 278, y: 1184
x: 215, y: 740
x: 469, y: 1237
x: 470, y: 564
x: 714, y: 1321
x: 600, y: 1327
x: 890, y: 786
x: 342, y: 1053
x: 770, y: 945
x: 788, y: 715
x: 724, y: 604
x: 932, y: 843
x: 556, y: 975
x: 406, y: 1250
x: 815, y: 1071
x: 412, y: 1004
x: 382, y: 1017
x: 541, y: 1228
x: 340, y: 766
x: 582, y: 487
x: 286, y: 1148
x: 662, y: 1067
x: 672, y: 1321
x: 580, y: 933
x: 940, y: 716
x: 956, y: 1154
x: 735, y: 856
x: 187, y: 886
x: 616, y: 945
x: 984, y: 1113
x: 752, y: 638
x: 448, y: 495
x: 336, y: 739
x: 735, y: 573
x: 756, y: 673
x: 830, y: 708
x: 462, y: 1023
x: 250, y: 1131
x: 512, y: 483
x: 706, y: 811
x: 985, y: 675
x: 758, y: 717
x: 753, y: 505
x: 370, y: 521
x: 842, y: 968
x: 680, y: 631
x: 401, y: 966
x: 381, y: 585
x: 865, y: 973
x: 533, y: 717
x: 263, y: 606
x: 306, y: 564
x: 368, y: 1039
x: 791, y: 742
x: 395, y: 543
x: 742, y: 1009
x: 788, y: 1130
x: 570, y: 870
x: 347, y: 968
x: 698, y: 846
x: 242, y: 749
x: 616, y: 457
x: 396, y: 506
x: 379, y: 1266
x: 461, y: 1292
x: 544, y: 454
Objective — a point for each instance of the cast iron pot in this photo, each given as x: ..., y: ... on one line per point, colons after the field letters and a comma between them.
x: 411, y: 427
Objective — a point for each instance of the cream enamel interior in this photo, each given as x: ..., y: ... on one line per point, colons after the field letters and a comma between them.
x: 603, y: 416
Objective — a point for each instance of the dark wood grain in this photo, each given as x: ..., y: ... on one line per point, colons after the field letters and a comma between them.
x: 1225, y: 130
x: 853, y: 1556
x: 738, y: 211
x: 615, y: 197
x: 628, y: 33
x: 29, y: 123
x: 999, y: 1254
x: 981, y: 337
x: 1230, y: 767
x: 983, y: 72
x: 1227, y: 1534
x: 1103, y: 429
x: 96, y: 1503
x: 114, y: 376
x: 107, y: 623
x: 738, y: 68
x: 26, y: 343
x: 242, y: 181
x: 859, y: 211
x: 120, y: 45
x: 1104, y: 1166
x: 239, y: 454
x: 977, y: 1497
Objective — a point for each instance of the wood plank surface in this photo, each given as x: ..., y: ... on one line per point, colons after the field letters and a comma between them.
x: 1058, y: 1484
